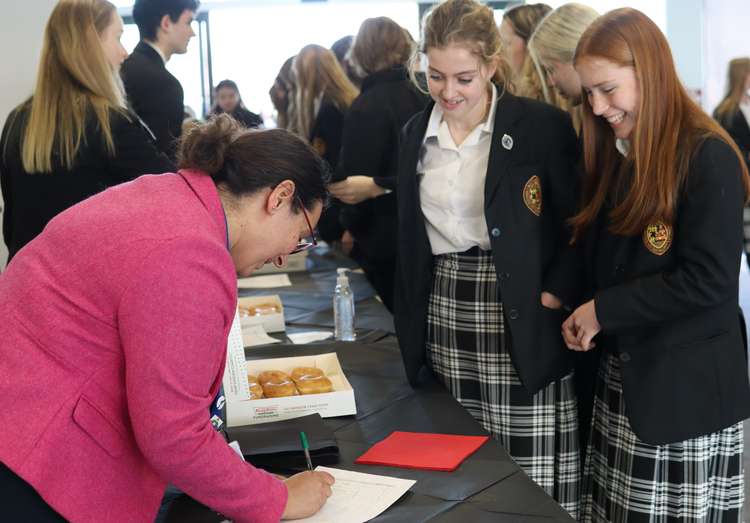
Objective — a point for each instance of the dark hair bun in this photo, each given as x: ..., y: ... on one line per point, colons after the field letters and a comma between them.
x: 205, y: 146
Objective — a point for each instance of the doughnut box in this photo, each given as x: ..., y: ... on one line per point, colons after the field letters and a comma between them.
x: 339, y: 402
x: 270, y: 312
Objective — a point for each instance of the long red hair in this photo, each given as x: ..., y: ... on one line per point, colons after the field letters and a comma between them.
x: 668, y: 130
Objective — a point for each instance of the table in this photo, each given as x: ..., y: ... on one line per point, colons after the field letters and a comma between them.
x: 488, y: 486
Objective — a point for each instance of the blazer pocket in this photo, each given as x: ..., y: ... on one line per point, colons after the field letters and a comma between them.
x: 94, y: 422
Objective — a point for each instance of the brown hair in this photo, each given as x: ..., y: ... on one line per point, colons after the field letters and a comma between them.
x: 467, y: 23
x: 381, y: 44
x: 74, y: 79
x: 668, y: 130
x: 524, y: 18
x: 317, y: 73
x: 739, y: 69
x: 245, y: 161
x: 531, y: 81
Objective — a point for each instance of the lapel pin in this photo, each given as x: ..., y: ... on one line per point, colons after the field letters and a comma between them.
x: 507, y: 142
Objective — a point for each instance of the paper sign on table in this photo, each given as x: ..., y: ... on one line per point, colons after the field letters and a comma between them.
x: 268, y: 281
x: 235, y: 382
x: 359, y: 497
x: 300, y: 338
x: 418, y: 450
x: 253, y: 335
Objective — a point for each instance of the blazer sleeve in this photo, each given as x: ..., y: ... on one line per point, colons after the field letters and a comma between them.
x: 135, y: 150
x: 366, y: 142
x: 5, y: 181
x: 564, y: 277
x: 328, y: 128
x: 173, y: 320
x: 708, y: 240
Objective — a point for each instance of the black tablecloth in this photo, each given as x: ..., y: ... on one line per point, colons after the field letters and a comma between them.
x: 488, y: 486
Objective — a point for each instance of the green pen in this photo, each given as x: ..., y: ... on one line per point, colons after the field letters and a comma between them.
x: 306, y: 449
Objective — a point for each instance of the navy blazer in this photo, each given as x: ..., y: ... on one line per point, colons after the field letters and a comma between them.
x: 530, y: 245
x: 667, y: 302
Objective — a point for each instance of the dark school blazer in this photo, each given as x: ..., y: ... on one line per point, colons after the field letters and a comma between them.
x: 530, y: 190
x: 667, y: 302
x: 155, y: 95
x: 737, y: 127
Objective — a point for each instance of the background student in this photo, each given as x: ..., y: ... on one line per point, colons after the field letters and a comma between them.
x: 369, y: 155
x: 74, y: 137
x: 153, y: 92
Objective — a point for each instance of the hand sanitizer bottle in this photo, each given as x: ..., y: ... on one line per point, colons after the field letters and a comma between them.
x: 343, y: 307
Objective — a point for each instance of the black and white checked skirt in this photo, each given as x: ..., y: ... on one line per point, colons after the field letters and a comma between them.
x: 468, y: 351
x: 626, y: 480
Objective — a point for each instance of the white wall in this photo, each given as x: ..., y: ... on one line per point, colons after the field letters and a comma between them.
x: 685, y: 33
x: 726, y: 25
x: 21, y: 28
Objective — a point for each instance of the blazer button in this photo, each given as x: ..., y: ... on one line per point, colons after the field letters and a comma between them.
x: 495, y: 232
x: 619, y: 268
x: 624, y: 357
x: 513, y: 314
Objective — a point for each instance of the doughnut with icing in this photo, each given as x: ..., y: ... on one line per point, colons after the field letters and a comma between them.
x: 256, y: 391
x: 260, y: 309
x: 311, y: 380
x: 276, y: 384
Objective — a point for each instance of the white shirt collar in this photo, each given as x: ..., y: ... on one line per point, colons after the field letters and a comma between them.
x: 155, y: 48
x: 436, y: 123
x: 623, y: 146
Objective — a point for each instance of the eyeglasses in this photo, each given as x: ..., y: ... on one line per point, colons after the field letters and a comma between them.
x: 304, y: 244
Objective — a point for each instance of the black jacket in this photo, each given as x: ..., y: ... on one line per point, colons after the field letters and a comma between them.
x: 738, y: 128
x: 370, y: 145
x: 248, y: 119
x: 155, y: 95
x: 530, y: 252
x: 672, y: 318
x: 370, y: 148
x: 325, y: 137
x: 32, y: 200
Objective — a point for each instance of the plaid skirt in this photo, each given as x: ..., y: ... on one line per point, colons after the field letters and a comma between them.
x: 625, y: 479
x: 468, y: 351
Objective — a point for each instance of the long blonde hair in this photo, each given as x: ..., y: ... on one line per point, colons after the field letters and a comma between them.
x: 739, y: 69
x: 318, y: 74
x: 463, y: 22
x: 74, y: 77
x: 556, y: 36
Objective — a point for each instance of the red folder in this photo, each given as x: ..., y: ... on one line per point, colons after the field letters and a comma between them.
x: 418, y: 450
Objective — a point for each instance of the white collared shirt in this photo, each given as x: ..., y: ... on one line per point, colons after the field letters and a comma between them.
x: 745, y: 108
x: 452, y: 186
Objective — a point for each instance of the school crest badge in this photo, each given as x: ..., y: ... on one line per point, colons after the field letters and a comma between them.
x: 532, y: 195
x: 657, y: 237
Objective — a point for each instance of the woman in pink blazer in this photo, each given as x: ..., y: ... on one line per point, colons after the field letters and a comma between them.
x: 114, y: 331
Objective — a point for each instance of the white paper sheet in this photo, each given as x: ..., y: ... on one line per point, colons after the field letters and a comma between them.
x: 268, y: 281
x: 359, y: 497
x: 235, y: 382
x: 300, y: 338
x: 253, y: 335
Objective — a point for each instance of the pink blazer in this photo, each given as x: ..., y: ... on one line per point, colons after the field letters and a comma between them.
x: 112, y: 346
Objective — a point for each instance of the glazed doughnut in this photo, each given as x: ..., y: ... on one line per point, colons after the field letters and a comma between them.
x: 276, y: 384
x: 311, y: 380
x: 256, y: 391
x: 261, y: 309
